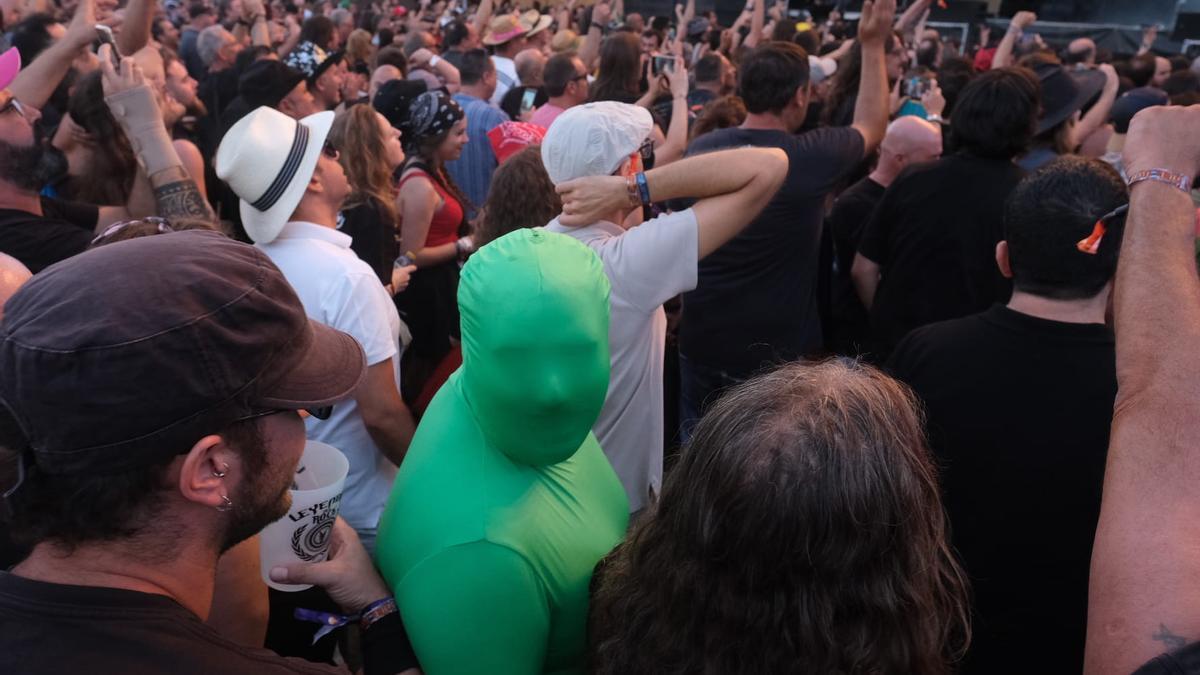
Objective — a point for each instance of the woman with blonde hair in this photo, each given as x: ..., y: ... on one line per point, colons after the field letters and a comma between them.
x: 369, y: 151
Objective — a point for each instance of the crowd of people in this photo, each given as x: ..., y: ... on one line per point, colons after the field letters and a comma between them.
x: 654, y: 344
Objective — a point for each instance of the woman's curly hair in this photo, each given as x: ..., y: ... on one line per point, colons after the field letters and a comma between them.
x: 521, y: 196
x: 801, y: 532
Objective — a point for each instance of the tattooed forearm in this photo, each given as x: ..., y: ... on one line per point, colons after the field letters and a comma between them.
x: 1169, y: 639
x: 177, y: 196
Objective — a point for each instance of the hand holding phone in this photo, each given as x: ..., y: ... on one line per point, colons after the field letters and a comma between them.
x: 662, y: 64
x: 105, y: 36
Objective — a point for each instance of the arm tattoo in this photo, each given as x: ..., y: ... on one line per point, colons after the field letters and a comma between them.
x: 1169, y: 639
x: 177, y: 196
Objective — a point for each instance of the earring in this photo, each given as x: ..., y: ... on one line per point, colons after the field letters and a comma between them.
x: 224, y: 470
x: 226, y: 505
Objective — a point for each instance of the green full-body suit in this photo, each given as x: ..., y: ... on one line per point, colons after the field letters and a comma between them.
x: 505, y: 502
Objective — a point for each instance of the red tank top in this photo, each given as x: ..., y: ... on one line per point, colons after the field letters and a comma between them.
x: 443, y: 229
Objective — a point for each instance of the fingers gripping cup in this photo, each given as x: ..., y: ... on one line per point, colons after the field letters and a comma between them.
x: 303, y: 534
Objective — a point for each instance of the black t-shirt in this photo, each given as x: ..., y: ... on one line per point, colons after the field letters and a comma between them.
x: 935, y: 233
x: 64, y: 229
x: 52, y: 629
x: 1019, y: 410
x: 756, y: 301
x: 1185, y: 661
x: 844, y: 225
x: 373, y: 239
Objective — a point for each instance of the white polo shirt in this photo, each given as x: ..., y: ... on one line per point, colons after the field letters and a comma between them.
x: 506, y: 77
x: 647, y: 266
x: 339, y: 290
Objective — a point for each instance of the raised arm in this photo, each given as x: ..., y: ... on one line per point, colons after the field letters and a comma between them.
x: 1098, y: 115
x: 907, y: 22
x: 589, y: 51
x: 133, y: 105
x: 757, y: 17
x: 871, y: 109
x: 135, y: 29
x: 732, y: 187
x: 677, y: 132
x: 483, y: 14
x: 37, y: 81
x: 1143, y: 597
x: 1004, y: 51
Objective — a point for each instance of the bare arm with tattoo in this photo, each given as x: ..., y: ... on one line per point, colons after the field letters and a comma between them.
x: 132, y: 103
x: 1143, y: 596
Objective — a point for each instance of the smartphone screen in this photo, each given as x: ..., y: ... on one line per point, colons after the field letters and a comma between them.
x: 527, y: 99
x: 663, y: 64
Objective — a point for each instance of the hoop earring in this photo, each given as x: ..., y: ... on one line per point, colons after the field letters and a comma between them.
x: 226, y: 506
x: 224, y: 470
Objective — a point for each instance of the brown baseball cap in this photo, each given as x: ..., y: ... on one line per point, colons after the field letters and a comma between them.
x: 129, y: 353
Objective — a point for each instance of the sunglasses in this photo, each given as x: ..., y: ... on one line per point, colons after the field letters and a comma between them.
x: 321, y: 413
x: 162, y: 225
x: 13, y: 104
x: 329, y: 151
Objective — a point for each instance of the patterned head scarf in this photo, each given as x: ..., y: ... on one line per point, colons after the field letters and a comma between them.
x: 431, y: 113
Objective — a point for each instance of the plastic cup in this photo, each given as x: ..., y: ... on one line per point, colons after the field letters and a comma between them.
x: 303, y: 534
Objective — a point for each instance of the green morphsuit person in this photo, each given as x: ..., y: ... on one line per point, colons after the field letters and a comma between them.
x: 505, y: 502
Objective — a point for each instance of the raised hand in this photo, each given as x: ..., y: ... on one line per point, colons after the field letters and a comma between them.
x: 1023, y: 20
x: 1164, y: 137
x: 587, y: 200
x: 82, y: 29
x: 875, y: 25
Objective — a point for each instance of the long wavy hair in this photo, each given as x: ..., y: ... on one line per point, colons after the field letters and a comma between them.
x: 620, y: 69
x: 112, y: 167
x: 355, y: 133
x: 521, y: 196
x: 801, y: 532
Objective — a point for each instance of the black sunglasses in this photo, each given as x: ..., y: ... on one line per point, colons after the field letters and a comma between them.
x: 329, y: 151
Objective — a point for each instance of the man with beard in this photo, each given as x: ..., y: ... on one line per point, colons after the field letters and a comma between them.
x: 188, y: 446
x: 40, y: 231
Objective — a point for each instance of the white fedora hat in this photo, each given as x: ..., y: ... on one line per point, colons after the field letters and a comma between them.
x: 267, y: 159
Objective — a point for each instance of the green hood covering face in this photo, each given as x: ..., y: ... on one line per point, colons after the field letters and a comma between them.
x: 535, y: 311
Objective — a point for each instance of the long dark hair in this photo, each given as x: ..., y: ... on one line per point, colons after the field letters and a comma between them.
x: 843, y: 88
x: 109, y: 176
x: 801, y: 532
x: 620, y: 69
x: 422, y: 153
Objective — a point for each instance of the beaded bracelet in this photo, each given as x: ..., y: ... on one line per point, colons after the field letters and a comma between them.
x: 1171, y: 178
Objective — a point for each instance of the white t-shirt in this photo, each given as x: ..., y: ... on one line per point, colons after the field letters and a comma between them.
x: 506, y: 77
x: 647, y: 266
x: 339, y: 290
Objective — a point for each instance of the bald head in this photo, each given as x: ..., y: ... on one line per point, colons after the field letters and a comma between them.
x: 382, y: 75
x: 12, y: 275
x: 909, y: 140
x: 530, y: 63
x: 1083, y: 51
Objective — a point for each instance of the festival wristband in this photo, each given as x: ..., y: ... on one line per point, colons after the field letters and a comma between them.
x: 643, y: 189
x: 1171, y: 178
x: 632, y: 191
x: 330, y: 621
x: 376, y: 611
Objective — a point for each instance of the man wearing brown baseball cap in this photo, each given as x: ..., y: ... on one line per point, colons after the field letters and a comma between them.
x: 149, y: 420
